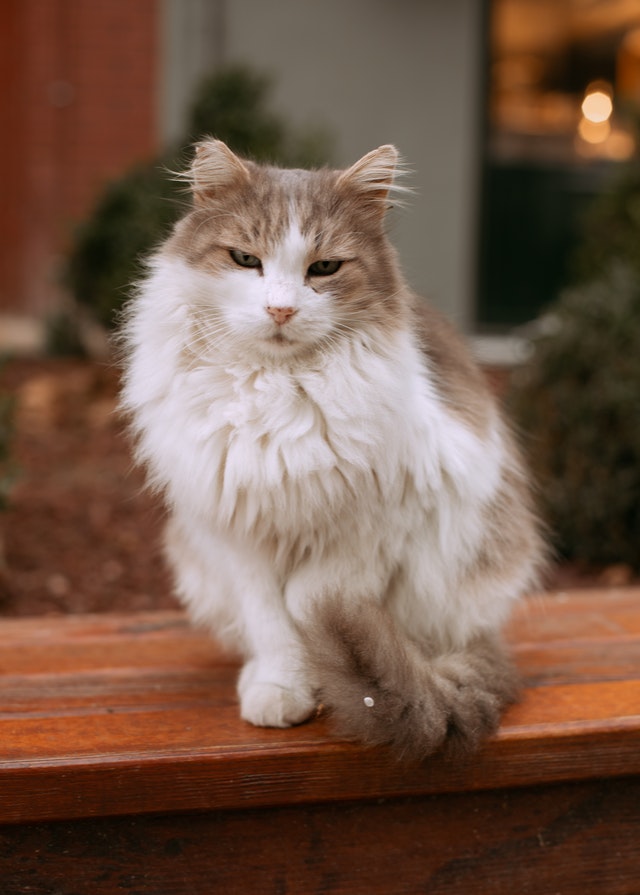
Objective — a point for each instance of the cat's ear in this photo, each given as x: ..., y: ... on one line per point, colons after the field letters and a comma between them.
x: 373, y: 176
x: 214, y: 167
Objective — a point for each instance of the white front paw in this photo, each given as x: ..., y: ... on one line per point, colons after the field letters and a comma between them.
x: 272, y: 705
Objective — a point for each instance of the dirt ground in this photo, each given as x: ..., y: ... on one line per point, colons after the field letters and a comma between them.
x: 80, y: 533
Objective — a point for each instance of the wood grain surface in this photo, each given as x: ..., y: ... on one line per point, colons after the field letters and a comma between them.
x: 570, y: 839
x: 124, y: 767
x: 112, y: 715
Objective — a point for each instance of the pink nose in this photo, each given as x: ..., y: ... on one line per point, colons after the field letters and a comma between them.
x: 281, y: 315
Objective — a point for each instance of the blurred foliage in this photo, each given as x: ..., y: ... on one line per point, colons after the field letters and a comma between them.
x: 136, y: 212
x: 612, y: 227
x: 7, y: 467
x: 578, y: 401
x: 63, y: 334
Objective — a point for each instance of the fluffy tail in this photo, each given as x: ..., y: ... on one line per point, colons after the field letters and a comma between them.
x: 381, y: 688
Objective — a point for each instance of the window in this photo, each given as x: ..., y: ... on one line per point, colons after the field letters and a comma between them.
x: 563, y: 96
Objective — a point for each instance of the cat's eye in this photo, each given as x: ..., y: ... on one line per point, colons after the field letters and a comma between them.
x: 324, y: 268
x: 244, y: 259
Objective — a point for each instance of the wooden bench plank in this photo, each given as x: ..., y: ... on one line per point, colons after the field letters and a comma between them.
x: 147, y: 723
x: 574, y: 839
x: 58, y: 644
x: 134, y: 714
x: 576, y: 615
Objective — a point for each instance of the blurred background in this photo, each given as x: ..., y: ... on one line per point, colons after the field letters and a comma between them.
x: 488, y: 102
x: 519, y: 122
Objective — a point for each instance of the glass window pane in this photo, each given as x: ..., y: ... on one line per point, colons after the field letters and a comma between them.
x: 563, y: 99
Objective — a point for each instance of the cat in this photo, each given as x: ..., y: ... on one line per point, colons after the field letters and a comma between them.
x: 347, y: 508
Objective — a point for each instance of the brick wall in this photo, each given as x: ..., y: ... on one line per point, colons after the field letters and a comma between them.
x: 78, y: 85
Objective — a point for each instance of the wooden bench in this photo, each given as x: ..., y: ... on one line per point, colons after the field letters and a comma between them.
x: 124, y: 767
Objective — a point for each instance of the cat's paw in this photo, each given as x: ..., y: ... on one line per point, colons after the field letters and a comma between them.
x: 272, y: 705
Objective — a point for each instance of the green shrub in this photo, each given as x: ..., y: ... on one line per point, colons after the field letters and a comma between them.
x: 133, y: 214
x: 611, y: 227
x: 7, y: 467
x: 136, y: 211
x: 578, y: 401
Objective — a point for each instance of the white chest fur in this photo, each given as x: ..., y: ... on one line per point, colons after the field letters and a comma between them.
x: 297, y: 445
x: 295, y: 449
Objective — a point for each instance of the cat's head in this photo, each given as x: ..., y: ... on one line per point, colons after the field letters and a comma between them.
x: 286, y: 261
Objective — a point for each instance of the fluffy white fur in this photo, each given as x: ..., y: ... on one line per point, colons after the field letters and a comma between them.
x: 306, y: 462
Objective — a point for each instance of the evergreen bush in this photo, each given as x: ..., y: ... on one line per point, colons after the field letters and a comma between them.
x: 136, y: 211
x: 611, y: 227
x: 578, y: 401
x: 7, y: 467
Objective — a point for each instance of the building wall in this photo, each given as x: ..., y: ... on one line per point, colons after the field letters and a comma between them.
x: 77, y: 105
x: 12, y: 155
x: 193, y: 45
x: 90, y: 87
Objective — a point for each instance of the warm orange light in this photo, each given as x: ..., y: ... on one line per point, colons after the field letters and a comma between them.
x: 597, y: 107
x: 620, y: 146
x: 594, y: 131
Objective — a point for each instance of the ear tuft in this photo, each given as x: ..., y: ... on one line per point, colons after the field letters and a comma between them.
x: 214, y: 167
x: 373, y: 176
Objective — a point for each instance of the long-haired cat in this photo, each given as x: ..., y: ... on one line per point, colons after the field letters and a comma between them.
x: 346, y: 506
